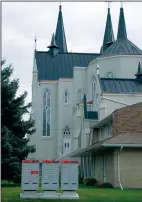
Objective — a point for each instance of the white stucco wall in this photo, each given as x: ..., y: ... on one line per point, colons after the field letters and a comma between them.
x: 64, y: 114
x: 116, y: 101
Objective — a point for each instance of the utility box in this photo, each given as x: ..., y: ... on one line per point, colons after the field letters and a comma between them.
x: 30, y: 175
x: 50, y: 175
x: 69, y: 175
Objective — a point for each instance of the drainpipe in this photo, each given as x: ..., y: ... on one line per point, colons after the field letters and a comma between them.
x: 118, y: 164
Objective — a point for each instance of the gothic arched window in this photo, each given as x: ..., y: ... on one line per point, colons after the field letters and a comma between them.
x: 46, y: 112
x: 93, y: 87
x: 97, y: 102
x: 79, y: 96
x: 66, y: 97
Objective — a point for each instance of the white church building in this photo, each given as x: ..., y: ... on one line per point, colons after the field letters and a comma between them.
x: 71, y: 92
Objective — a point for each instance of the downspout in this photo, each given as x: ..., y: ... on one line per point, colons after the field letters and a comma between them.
x: 118, y: 164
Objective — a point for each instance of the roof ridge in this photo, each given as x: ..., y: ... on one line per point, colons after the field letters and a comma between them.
x: 71, y: 53
x: 117, y: 78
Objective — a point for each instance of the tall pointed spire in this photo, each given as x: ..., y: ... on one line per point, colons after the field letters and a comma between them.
x: 54, y: 49
x: 108, y: 35
x: 139, y: 72
x: 122, y: 33
x: 53, y: 42
x: 60, y: 33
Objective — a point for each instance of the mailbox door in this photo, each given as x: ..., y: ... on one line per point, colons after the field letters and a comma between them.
x: 45, y: 177
x: 74, y: 176
x: 65, y: 176
x: 25, y: 176
x: 50, y: 176
x: 34, y: 176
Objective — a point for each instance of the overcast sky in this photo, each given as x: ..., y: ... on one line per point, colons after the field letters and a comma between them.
x: 84, y: 24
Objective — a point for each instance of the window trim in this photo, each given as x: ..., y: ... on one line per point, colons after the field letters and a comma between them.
x: 48, y: 108
x: 93, y: 86
x: 66, y: 103
x: 79, y: 91
x: 106, y: 75
x: 67, y: 136
x: 109, y: 130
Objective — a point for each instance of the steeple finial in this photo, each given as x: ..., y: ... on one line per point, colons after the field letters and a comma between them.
x: 60, y: 33
x: 108, y: 4
x: 35, y: 42
x: 108, y: 35
x: 121, y: 4
x: 60, y: 6
x: 122, y: 33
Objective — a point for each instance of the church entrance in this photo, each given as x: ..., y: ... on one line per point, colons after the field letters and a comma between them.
x: 66, y: 145
x: 66, y: 140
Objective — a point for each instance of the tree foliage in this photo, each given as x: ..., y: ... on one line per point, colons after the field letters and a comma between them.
x: 14, y: 145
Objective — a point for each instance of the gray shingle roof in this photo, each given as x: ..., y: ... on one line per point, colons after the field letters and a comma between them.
x: 60, y: 66
x: 114, y: 85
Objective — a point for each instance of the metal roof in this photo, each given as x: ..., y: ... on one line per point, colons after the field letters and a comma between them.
x: 60, y: 33
x: 108, y: 35
x: 122, y: 33
x: 122, y: 47
x: 116, y: 85
x: 93, y: 115
x: 60, y: 66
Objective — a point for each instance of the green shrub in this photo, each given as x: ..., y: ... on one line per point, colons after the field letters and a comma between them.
x: 107, y: 185
x: 90, y: 181
x: 98, y: 185
x: 80, y: 180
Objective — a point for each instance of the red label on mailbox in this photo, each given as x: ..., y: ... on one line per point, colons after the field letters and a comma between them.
x: 34, y: 172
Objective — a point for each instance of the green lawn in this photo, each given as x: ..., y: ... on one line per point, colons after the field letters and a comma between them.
x: 11, y: 194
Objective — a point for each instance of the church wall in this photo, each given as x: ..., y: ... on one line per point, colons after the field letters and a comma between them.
x: 65, y: 111
x: 111, y: 106
x: 79, y: 83
x: 47, y: 146
x: 129, y: 66
x: 120, y: 66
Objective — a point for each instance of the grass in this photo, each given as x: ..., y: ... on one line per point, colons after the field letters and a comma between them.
x: 86, y: 194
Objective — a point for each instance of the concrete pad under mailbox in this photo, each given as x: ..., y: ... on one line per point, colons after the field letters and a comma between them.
x: 69, y: 195
x: 30, y: 194
x: 49, y: 195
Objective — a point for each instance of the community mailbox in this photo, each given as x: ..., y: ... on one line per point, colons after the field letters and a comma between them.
x: 69, y: 175
x: 50, y: 175
x: 30, y: 175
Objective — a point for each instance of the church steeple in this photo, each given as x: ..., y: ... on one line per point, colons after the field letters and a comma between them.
x: 139, y: 72
x: 122, y: 33
x: 54, y: 49
x: 108, y: 35
x: 60, y: 37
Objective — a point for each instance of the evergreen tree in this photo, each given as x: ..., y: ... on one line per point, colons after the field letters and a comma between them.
x: 14, y: 145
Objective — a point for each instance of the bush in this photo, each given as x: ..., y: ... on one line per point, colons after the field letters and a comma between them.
x: 80, y: 180
x: 98, y: 185
x: 90, y: 181
x: 107, y: 185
